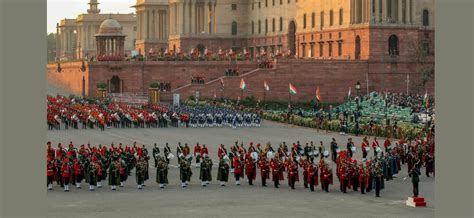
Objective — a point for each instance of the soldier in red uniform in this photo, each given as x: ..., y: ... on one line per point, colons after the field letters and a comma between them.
x: 197, y: 153
x: 204, y: 151
x: 364, y: 145
x: 375, y: 145
x: 312, y: 178
x: 77, y: 173
x: 277, y: 170
x: 50, y: 172
x: 326, y: 177
x: 363, y: 178
x: 237, y: 169
x: 264, y: 169
x: 304, y: 165
x: 292, y: 167
x: 66, y: 173
x: 354, y: 175
x: 221, y: 152
x: 387, y: 144
x: 250, y: 170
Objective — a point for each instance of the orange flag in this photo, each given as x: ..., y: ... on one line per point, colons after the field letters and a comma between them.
x: 318, y: 94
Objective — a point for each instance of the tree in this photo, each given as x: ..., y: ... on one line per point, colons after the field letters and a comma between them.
x: 424, y: 67
x: 51, y: 46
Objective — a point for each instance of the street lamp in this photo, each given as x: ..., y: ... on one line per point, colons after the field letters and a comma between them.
x: 357, y: 109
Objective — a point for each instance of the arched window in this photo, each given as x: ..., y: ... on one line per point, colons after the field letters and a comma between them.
x: 259, y: 26
x: 322, y: 19
x: 426, y: 18
x: 331, y: 18
x: 341, y: 16
x: 234, y: 28
x: 281, y: 24
x: 304, y: 21
x: 253, y: 27
x: 393, y: 45
x: 273, y: 25
x: 313, y: 20
x: 357, y: 47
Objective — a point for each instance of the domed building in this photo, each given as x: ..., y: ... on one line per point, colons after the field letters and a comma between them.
x: 110, y: 41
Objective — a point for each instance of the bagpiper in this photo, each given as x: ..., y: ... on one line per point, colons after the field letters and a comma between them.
x: 205, y: 173
x: 140, y: 172
x: 277, y: 170
x: 292, y: 168
x: 238, y: 171
x: 250, y: 170
x: 197, y: 153
x: 184, y: 171
x: 50, y: 172
x: 326, y: 176
x: 312, y: 177
x: 66, y: 173
x: 92, y: 173
x: 223, y: 171
x: 161, y: 172
x: 114, y: 174
x: 264, y: 169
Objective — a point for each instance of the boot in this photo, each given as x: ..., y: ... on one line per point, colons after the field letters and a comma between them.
x: 78, y: 185
x: 99, y: 185
x: 222, y: 184
x: 237, y: 182
x: 162, y: 186
x: 121, y: 184
x: 139, y: 186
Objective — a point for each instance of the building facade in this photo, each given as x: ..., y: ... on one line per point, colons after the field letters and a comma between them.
x: 76, y: 36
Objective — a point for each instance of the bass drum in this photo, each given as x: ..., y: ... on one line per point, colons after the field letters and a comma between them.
x: 170, y: 156
x: 270, y: 155
x: 326, y: 153
x: 254, y: 155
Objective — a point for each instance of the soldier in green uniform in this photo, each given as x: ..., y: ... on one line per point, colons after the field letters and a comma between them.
x: 140, y: 172
x: 114, y: 174
x: 91, y: 173
x: 415, y: 177
x: 223, y: 171
x: 156, y: 152
x: 162, y: 172
x: 184, y: 171
x: 205, y: 173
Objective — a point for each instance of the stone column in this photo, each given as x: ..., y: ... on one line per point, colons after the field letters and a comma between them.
x: 185, y: 17
x: 352, y: 12
x: 400, y: 11
x: 384, y: 11
x: 193, y: 17
x: 206, y: 17
x: 363, y: 11
x: 413, y: 12
x: 394, y: 10
x: 153, y: 24
x: 179, y: 17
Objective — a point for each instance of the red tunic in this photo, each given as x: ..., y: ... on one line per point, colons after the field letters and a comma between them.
x: 65, y: 170
x: 77, y: 168
x: 221, y: 152
x: 387, y: 143
x: 293, y: 172
x: 312, y: 173
x: 276, y: 172
x: 264, y: 169
x: 50, y: 171
x: 204, y: 151
x: 375, y: 144
x: 250, y: 169
x: 237, y: 167
x: 197, y: 150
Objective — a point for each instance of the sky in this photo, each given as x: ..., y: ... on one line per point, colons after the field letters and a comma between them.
x: 60, y: 9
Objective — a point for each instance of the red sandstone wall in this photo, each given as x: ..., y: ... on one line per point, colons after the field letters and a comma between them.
x: 70, y: 78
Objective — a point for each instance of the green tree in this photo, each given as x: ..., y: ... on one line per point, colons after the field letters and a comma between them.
x: 51, y: 46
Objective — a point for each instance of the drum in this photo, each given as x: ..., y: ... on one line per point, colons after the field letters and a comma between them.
x: 298, y: 158
x: 225, y: 157
x: 301, y: 152
x: 270, y: 155
x: 254, y: 155
x: 367, y: 148
x: 326, y: 153
x: 338, y: 150
x: 170, y: 156
x: 378, y: 149
x: 353, y: 149
x: 189, y: 157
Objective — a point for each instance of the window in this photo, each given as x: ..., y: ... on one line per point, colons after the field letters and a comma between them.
x: 281, y: 24
x: 341, y: 16
x: 266, y: 3
x: 322, y: 19
x: 330, y: 49
x: 357, y: 48
x: 340, y: 34
x: 321, y: 49
x: 135, y: 28
x: 281, y: 2
x: 234, y: 28
x: 339, y: 49
x: 393, y: 45
x: 259, y: 5
x: 234, y: 7
x: 266, y: 26
x: 273, y: 2
x: 253, y: 27
x: 304, y: 21
x: 331, y: 17
x: 259, y: 27
x: 253, y: 6
x: 426, y: 18
x: 273, y: 25
x: 311, y: 53
x: 313, y: 20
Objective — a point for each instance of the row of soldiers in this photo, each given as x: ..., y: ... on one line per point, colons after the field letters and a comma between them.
x: 94, y: 164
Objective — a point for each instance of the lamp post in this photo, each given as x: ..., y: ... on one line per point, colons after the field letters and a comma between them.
x: 357, y: 109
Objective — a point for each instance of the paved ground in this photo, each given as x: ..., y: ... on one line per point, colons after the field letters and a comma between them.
x: 228, y: 201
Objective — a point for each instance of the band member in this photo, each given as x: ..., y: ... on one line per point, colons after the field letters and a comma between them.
x: 205, y: 174
x: 250, y: 170
x: 185, y: 171
x: 156, y: 152
x: 50, y: 172
x: 334, y: 148
x: 292, y: 168
x: 197, y: 153
x: 343, y: 175
x: 321, y: 150
x: 349, y: 146
x: 277, y: 170
x: 166, y: 151
x: 221, y: 152
x: 140, y: 171
x: 238, y: 171
x: 378, y: 177
x: 92, y: 173
x: 114, y: 174
x: 375, y: 145
x: 387, y: 143
x: 363, y: 146
x: 354, y: 175
x: 78, y: 173
x: 66, y: 173
x: 223, y: 172
x: 161, y: 172
x: 304, y: 163
x: 326, y: 177
x: 429, y: 163
x: 312, y: 177
x: 415, y: 177
x: 123, y: 169
x: 363, y: 178
x: 264, y: 169
x: 204, y: 151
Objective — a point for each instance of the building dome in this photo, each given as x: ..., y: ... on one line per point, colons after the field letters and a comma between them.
x: 110, y: 27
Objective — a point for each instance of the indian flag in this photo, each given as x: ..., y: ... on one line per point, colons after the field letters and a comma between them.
x: 292, y: 89
x: 265, y: 84
x: 243, y: 86
x: 425, y: 99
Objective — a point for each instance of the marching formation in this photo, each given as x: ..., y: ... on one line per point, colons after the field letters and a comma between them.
x: 78, y: 113
x: 97, y: 165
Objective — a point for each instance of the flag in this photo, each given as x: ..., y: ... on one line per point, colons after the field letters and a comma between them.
x: 349, y: 93
x: 318, y: 94
x: 425, y: 100
x: 292, y: 90
x: 222, y: 82
x: 215, y: 95
x: 265, y: 84
x: 243, y: 86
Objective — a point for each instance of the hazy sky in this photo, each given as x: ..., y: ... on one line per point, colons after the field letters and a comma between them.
x: 60, y: 9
